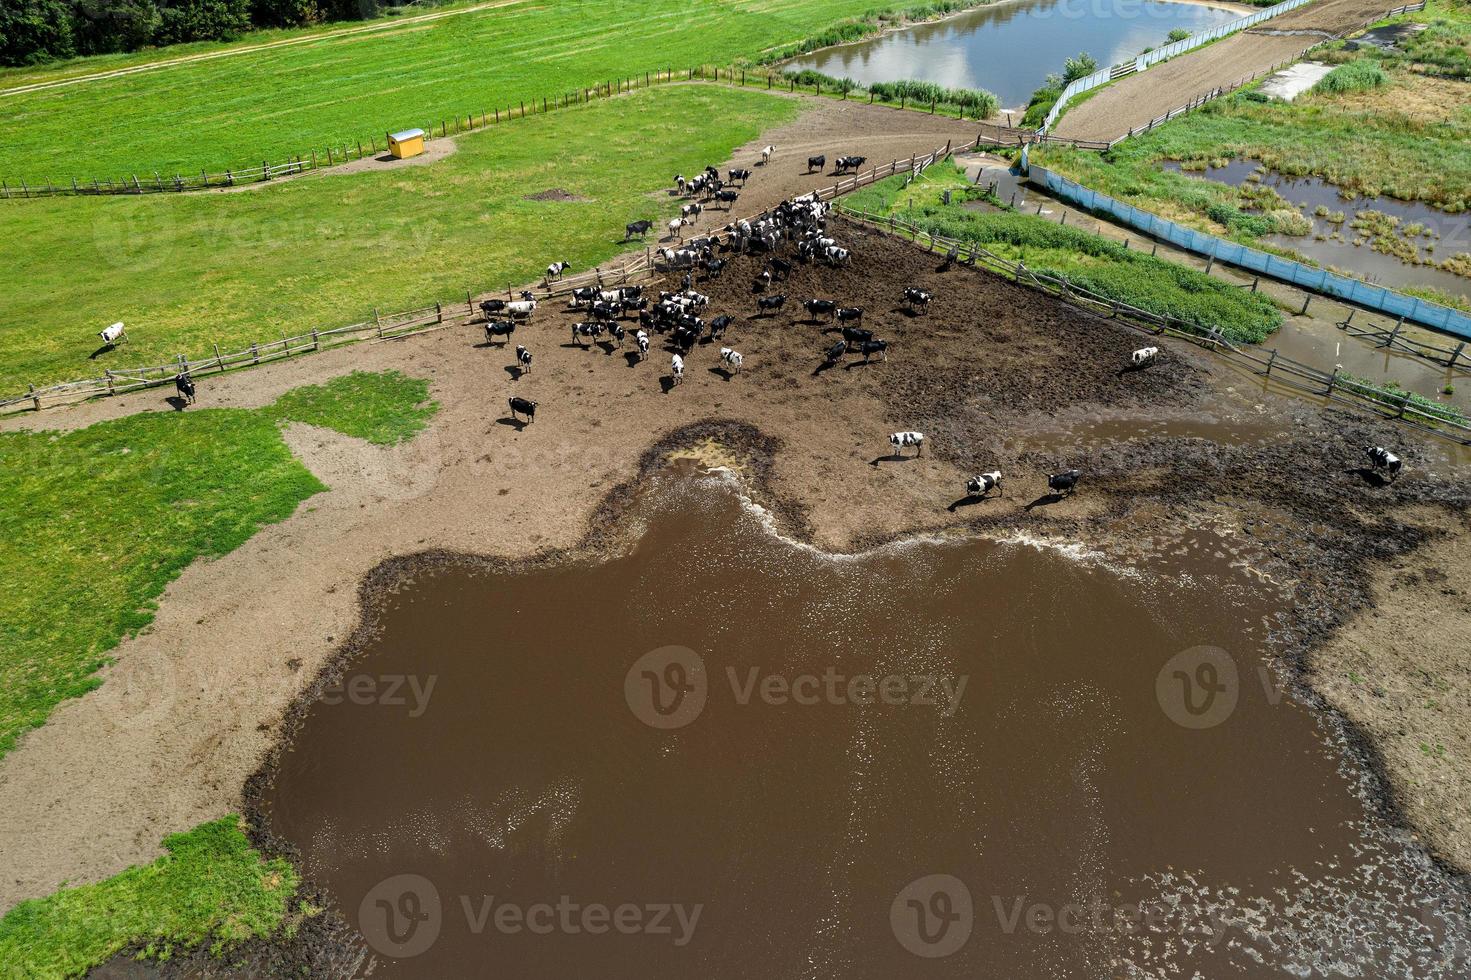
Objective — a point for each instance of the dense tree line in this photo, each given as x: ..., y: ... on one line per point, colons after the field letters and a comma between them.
x: 35, y: 31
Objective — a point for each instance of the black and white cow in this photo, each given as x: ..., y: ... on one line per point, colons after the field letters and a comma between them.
x: 184, y: 385
x: 856, y: 336
x: 850, y: 314
x: 770, y: 304
x: 523, y: 359
x: 113, y: 334
x: 1382, y: 459
x: 691, y: 211
x: 719, y: 325
x: 676, y: 368
x: 591, y: 330
x: 499, y: 329
x: 1064, y: 482
x: 643, y: 345
x: 1143, y: 357
x: 557, y: 269
x: 521, y: 308
x: 821, y: 307
x: 902, y: 440
x: 982, y: 483
x: 727, y: 197
x: 781, y: 268
x: 917, y: 298
x: 835, y: 352
x: 816, y: 163
x: 490, y: 307
x: 759, y: 284
x: 836, y: 256
x: 846, y: 164
x: 732, y: 359
x: 871, y: 347
x: 739, y: 176
x: 766, y: 152
x: 523, y: 406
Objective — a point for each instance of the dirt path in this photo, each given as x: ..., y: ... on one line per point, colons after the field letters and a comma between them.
x: 1134, y: 101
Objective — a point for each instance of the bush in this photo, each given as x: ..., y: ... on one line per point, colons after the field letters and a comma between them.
x: 1355, y: 76
x: 1178, y: 34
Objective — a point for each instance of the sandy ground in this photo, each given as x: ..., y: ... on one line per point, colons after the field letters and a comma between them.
x: 1134, y: 101
x: 994, y: 374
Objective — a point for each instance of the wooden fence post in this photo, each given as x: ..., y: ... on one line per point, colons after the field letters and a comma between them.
x: 255, y: 353
x: 1332, y: 382
x: 1306, y: 302
x: 1270, y: 361
x: 1456, y: 354
x: 438, y: 312
x: 219, y: 361
x: 35, y: 398
x: 1394, y: 335
x: 316, y: 340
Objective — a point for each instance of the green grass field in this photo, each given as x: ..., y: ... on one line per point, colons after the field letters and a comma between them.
x: 1087, y: 260
x: 95, y: 523
x: 211, y: 887
x: 185, y: 271
x: 237, y: 111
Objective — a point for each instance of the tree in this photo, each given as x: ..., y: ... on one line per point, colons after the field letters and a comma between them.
x: 202, y: 20
x: 1079, y: 67
x: 33, y: 31
x: 105, y: 26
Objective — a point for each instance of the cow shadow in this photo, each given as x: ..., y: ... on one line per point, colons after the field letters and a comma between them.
x: 1369, y: 475
x: 488, y: 344
x: 666, y: 383
x: 857, y: 364
x: 633, y: 358
x: 891, y: 458
x: 1046, y: 500
x: 100, y: 351
x: 969, y: 500
x: 573, y: 345
x: 515, y: 371
x: 177, y: 402
x: 906, y: 311
x: 606, y: 346
x: 722, y: 372
x: 515, y: 423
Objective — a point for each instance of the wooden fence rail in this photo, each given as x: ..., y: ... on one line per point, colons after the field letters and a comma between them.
x: 391, y: 325
x: 1270, y: 364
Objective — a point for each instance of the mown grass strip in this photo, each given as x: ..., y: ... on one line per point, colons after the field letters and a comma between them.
x: 211, y: 887
x: 96, y: 522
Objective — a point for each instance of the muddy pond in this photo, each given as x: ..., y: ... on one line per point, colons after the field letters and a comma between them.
x: 1008, y: 48
x: 723, y: 754
x: 1419, y: 235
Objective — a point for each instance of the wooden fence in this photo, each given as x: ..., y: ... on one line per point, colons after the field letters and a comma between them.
x: 154, y: 182
x: 394, y: 325
x: 1272, y: 366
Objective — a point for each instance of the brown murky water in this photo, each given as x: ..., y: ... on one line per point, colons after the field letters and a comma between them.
x: 1018, y: 789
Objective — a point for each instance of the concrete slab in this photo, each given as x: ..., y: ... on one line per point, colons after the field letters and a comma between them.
x: 1294, y: 80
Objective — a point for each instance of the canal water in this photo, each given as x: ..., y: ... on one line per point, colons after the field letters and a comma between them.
x: 724, y: 754
x: 1439, y: 234
x: 1009, y: 48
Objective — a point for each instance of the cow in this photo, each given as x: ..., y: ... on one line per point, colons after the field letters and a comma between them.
x: 781, y: 268
x: 523, y: 359
x: 982, y: 483
x: 719, y: 325
x: 493, y: 306
x: 820, y: 307
x: 714, y: 268
x: 1061, y: 483
x: 760, y: 283
x: 523, y: 406
x: 770, y: 304
x: 691, y: 211
x: 1143, y: 357
x: 836, y: 256
x: 900, y: 440
x: 856, y: 336
x: 850, y: 313
x: 580, y: 330
x: 1382, y: 459
x: 739, y: 176
x: 184, y: 385
x: 499, y: 328
x: 732, y: 358
x: 643, y: 345
x: 557, y: 269
x: 835, y: 352
x: 845, y: 164
x: 917, y: 297
x: 676, y: 368
x: 766, y: 152
x: 727, y: 197
x: 870, y: 347
x: 521, y: 308
x: 816, y: 163
x: 675, y: 226
x: 639, y: 228
x: 113, y: 334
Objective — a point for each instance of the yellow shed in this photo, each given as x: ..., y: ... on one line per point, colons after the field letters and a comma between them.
x: 409, y: 143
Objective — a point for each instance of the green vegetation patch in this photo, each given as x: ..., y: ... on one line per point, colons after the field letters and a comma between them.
x: 1358, y: 75
x: 234, y: 112
x: 1086, y: 260
x: 187, y: 271
x: 211, y: 887
x: 94, y: 523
